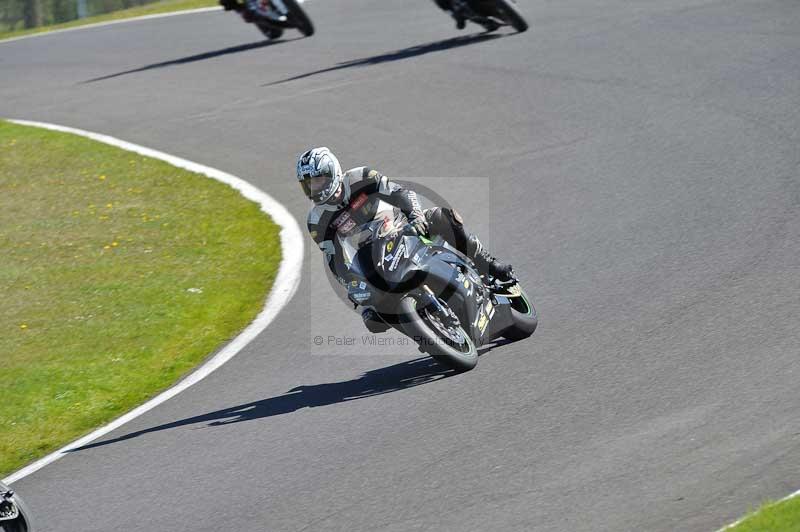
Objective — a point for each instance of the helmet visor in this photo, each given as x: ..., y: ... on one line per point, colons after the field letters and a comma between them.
x: 319, y: 187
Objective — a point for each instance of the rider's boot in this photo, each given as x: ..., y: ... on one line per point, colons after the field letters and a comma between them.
x: 485, y: 263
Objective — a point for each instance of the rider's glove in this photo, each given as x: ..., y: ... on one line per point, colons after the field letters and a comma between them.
x: 419, y: 223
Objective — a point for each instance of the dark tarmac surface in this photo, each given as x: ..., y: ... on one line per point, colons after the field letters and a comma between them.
x: 641, y: 165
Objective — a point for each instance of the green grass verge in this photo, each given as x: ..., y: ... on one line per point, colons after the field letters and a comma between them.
x: 162, y: 6
x: 118, y: 275
x: 781, y: 516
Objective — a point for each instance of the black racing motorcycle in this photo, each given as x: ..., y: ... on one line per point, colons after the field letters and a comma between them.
x: 272, y: 17
x: 491, y: 14
x: 14, y: 515
x: 432, y: 293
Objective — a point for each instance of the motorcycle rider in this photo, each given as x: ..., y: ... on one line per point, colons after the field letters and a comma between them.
x: 343, y: 201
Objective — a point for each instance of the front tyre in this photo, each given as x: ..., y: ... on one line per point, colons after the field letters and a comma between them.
x: 449, y: 345
x: 508, y: 12
x: 299, y: 18
x: 270, y: 32
x: 15, y: 525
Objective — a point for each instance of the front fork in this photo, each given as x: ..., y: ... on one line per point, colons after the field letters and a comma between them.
x: 430, y: 299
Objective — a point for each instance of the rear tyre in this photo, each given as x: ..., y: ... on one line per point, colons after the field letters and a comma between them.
x: 299, y: 18
x: 524, y: 316
x: 509, y: 13
x: 455, y: 349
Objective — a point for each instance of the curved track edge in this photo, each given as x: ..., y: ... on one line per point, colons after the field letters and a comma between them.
x: 284, y: 287
x: 112, y: 22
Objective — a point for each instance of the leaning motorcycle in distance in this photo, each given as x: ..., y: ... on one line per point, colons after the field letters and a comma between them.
x: 272, y: 17
x: 14, y: 515
x: 491, y: 14
x: 432, y: 293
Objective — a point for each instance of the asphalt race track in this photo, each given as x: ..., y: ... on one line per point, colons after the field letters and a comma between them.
x: 637, y: 162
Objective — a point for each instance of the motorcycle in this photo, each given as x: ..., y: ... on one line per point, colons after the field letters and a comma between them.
x: 432, y: 293
x: 491, y: 14
x: 272, y: 17
x: 14, y: 515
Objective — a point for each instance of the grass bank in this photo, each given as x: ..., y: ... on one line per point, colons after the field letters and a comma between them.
x: 162, y: 6
x: 118, y: 275
x: 783, y: 516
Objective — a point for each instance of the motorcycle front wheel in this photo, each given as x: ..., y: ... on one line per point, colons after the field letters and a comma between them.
x: 299, y: 18
x: 509, y: 13
x: 18, y: 525
x: 270, y: 32
x: 450, y: 346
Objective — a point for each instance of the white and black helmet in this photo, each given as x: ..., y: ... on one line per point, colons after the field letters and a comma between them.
x: 320, y: 174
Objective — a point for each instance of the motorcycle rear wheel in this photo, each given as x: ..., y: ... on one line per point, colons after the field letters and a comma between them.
x: 417, y: 324
x: 524, y: 316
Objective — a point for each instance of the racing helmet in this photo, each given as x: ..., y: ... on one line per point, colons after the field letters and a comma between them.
x: 320, y: 175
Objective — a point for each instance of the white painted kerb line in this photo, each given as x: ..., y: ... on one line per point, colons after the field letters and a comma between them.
x: 284, y: 287
x: 119, y: 21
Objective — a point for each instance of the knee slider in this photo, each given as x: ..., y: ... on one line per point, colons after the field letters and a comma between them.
x: 444, y: 215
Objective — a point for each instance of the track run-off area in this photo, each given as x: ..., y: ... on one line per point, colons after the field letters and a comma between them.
x: 638, y: 163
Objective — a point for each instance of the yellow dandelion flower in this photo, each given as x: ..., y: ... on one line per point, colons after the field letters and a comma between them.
x: 102, y: 178
x: 23, y: 326
x: 109, y: 205
x: 106, y: 247
x: 114, y: 244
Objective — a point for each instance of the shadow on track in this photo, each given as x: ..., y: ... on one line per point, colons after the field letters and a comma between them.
x: 375, y: 382
x: 193, y: 58
x: 398, y: 55
x: 500, y: 342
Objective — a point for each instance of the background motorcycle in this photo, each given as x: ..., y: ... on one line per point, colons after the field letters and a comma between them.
x: 432, y: 293
x: 491, y: 14
x: 14, y: 515
x: 272, y: 16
